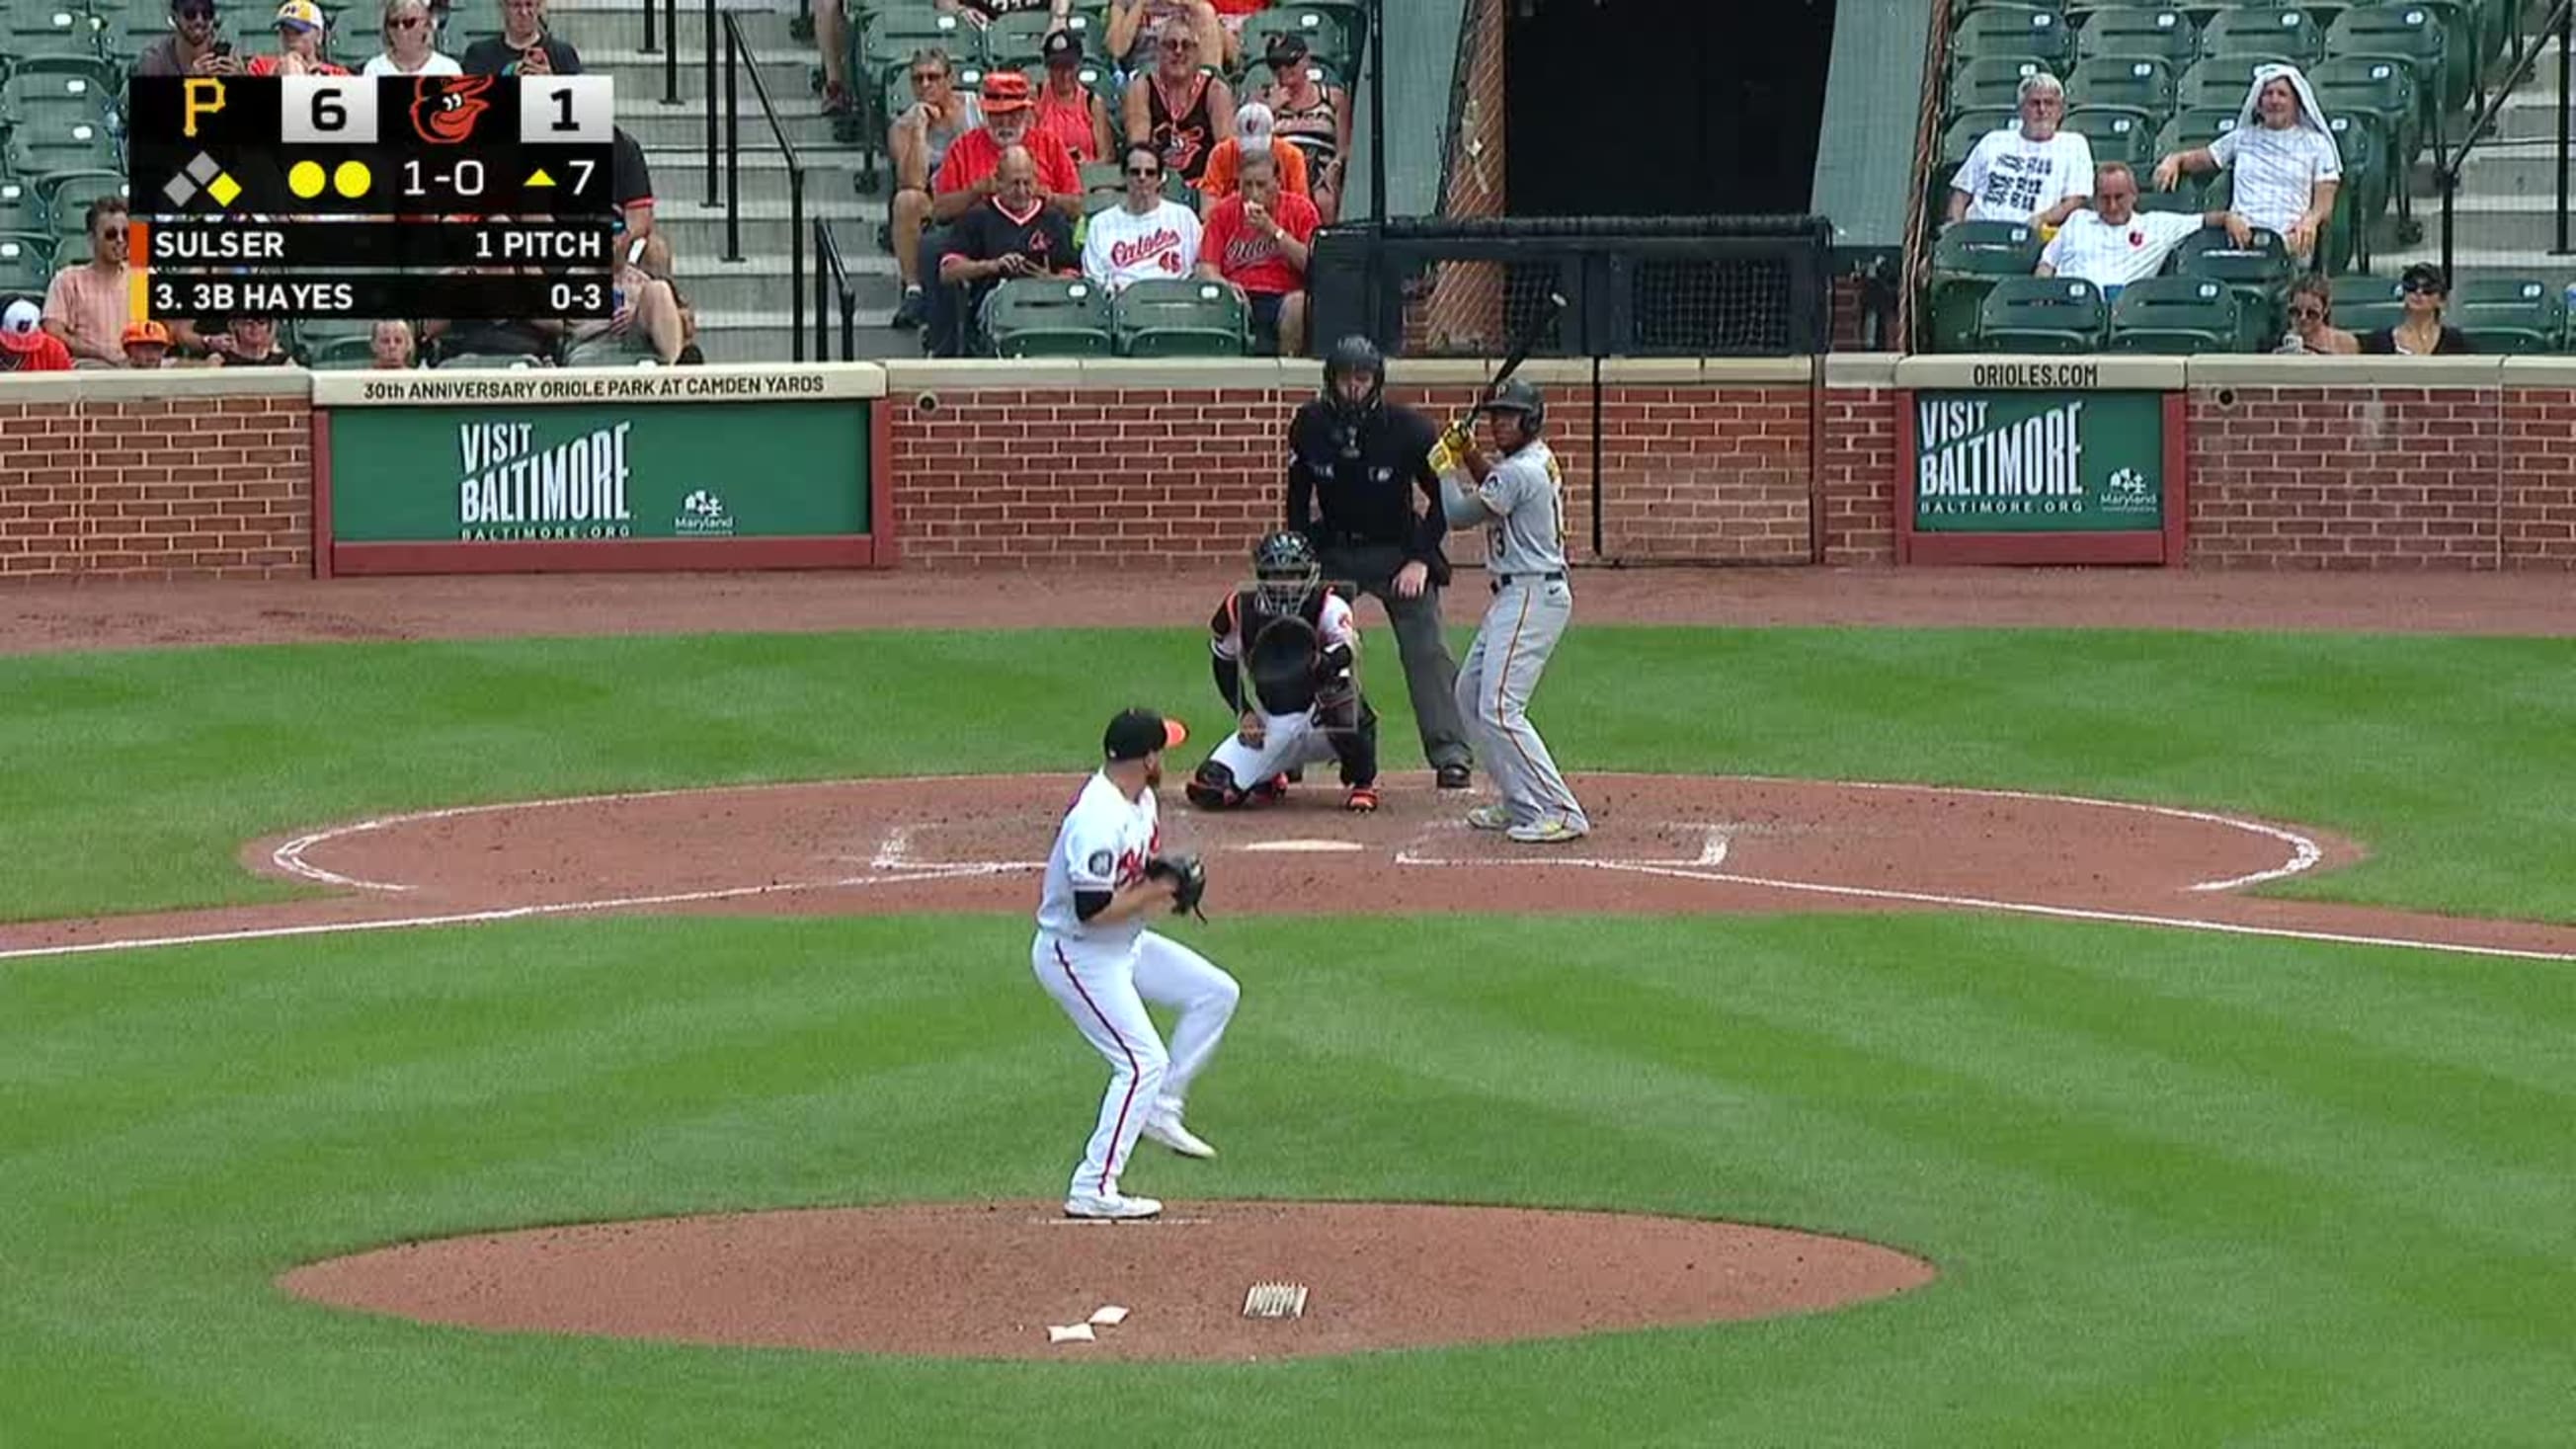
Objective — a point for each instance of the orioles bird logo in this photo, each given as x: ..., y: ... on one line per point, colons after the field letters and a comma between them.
x: 445, y: 108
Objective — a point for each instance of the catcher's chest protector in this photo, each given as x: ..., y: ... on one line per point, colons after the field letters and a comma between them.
x: 1251, y: 616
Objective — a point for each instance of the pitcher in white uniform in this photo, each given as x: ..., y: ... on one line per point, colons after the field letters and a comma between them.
x: 1095, y: 957
x: 1521, y: 500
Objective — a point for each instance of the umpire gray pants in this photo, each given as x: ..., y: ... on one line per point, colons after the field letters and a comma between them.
x: 1494, y: 687
x: 1430, y: 675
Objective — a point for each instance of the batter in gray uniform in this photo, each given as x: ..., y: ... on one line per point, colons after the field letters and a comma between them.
x: 1521, y: 501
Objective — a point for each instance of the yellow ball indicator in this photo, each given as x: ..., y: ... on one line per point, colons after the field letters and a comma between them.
x: 304, y: 178
x: 352, y: 179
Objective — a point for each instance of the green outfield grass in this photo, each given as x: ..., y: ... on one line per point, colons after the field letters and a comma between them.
x: 2182, y: 1189
x: 129, y: 780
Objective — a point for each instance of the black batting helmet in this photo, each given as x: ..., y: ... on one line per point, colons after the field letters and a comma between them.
x: 1285, y: 568
x: 1521, y: 396
x: 1355, y: 353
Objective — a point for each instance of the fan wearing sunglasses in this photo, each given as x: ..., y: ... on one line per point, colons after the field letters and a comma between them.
x: 191, y: 47
x: 1179, y: 108
x: 409, y: 44
x: 2311, y: 304
x: 1144, y: 236
x: 2422, y: 333
x: 1137, y: 27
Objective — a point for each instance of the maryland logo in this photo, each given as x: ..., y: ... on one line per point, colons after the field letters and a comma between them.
x: 445, y: 108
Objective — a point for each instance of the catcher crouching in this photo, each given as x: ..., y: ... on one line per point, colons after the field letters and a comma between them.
x: 1286, y: 656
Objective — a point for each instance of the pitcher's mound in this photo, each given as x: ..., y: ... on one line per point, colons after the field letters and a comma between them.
x: 987, y: 1280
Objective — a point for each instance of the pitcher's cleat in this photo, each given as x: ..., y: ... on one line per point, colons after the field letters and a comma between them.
x: 1110, y: 1206
x: 1166, y: 1128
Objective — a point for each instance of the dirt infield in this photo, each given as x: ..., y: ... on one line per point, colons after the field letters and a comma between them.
x: 988, y: 1279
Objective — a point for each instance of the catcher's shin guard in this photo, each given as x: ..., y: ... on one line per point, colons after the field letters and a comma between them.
x: 1357, y: 747
x: 1212, y: 787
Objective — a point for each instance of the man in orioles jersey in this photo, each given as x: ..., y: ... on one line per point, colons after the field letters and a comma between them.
x: 1301, y: 704
x: 1094, y: 955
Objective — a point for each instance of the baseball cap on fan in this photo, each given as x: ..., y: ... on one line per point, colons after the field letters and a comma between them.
x: 1136, y: 733
x: 299, y: 15
x: 1062, y: 47
x: 1005, y: 90
x: 1286, y: 48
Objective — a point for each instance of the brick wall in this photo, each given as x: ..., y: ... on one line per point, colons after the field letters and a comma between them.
x: 1049, y: 476
x: 153, y: 487
x: 1856, y: 472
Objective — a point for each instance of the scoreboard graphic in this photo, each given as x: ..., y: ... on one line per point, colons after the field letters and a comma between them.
x: 465, y: 197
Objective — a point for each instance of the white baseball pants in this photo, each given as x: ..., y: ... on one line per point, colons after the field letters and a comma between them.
x: 1495, y: 683
x: 1104, y: 990
x: 1288, y: 742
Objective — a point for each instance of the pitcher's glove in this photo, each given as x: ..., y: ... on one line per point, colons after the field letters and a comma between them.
x: 1186, y: 869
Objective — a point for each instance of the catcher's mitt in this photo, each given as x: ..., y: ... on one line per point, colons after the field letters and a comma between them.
x: 1283, y: 663
x: 1191, y: 874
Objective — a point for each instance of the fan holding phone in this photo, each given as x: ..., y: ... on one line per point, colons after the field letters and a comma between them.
x: 524, y: 47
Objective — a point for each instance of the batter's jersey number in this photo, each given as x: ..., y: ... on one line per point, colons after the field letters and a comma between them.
x: 327, y: 110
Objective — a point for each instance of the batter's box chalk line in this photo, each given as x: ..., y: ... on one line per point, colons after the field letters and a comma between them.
x: 1714, y: 844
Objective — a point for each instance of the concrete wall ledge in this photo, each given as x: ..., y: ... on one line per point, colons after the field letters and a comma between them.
x: 107, y: 386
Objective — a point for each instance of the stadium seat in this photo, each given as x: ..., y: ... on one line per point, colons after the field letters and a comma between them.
x: 1967, y: 258
x: 2510, y: 314
x: 2148, y: 32
x: 2364, y: 195
x: 2185, y: 200
x: 2116, y: 133
x: 2220, y: 82
x: 2176, y: 315
x: 2291, y: 33
x: 891, y: 38
x: 2041, y: 314
x: 2194, y: 129
x: 1048, y: 317
x: 66, y: 196
x: 2144, y: 83
x: 1328, y: 38
x: 1015, y: 39
x: 342, y: 354
x: 1988, y: 82
x: 2259, y: 272
x: 2384, y: 86
x: 2409, y: 34
x: 48, y: 25
x: 44, y: 148
x: 2366, y: 304
x: 2015, y: 30
x: 26, y: 260
x: 1181, y: 318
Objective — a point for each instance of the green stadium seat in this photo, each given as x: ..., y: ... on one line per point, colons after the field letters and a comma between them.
x: 43, y: 148
x: 2152, y: 32
x: 2220, y: 82
x: 2291, y: 33
x: 2194, y: 129
x: 891, y: 39
x: 2465, y: 29
x: 1017, y: 39
x: 1964, y: 130
x: 2015, y: 30
x: 1181, y: 317
x: 1048, y: 317
x: 2384, y: 86
x: 342, y: 354
x: 2188, y: 199
x: 2366, y: 304
x: 2510, y: 314
x: 67, y: 87
x: 20, y: 210
x: 66, y: 197
x: 26, y: 260
x: 2041, y: 314
x: 2259, y: 272
x: 2364, y: 195
x: 2176, y: 315
x: 53, y: 27
x: 1989, y: 82
x: 2405, y: 33
x: 1967, y: 258
x: 2116, y: 133
x: 2144, y: 83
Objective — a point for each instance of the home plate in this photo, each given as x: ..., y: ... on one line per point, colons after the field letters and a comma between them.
x: 1304, y: 847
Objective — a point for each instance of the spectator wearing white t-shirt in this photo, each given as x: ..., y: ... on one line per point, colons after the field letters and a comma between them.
x: 2112, y: 243
x: 409, y: 50
x: 1143, y: 236
x: 2030, y: 172
x: 2285, y: 159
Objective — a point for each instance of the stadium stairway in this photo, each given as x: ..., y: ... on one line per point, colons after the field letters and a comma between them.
x: 2506, y: 212
x: 743, y: 307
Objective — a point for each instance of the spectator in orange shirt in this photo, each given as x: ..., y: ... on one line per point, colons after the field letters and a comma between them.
x: 89, y: 303
x: 147, y: 347
x: 26, y: 347
x: 299, y: 44
x: 1067, y: 109
x: 1253, y: 130
x: 970, y: 176
x: 1258, y: 240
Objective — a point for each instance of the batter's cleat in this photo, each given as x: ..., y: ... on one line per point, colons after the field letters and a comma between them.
x: 1362, y: 800
x: 1165, y: 1127
x: 1110, y: 1206
x: 1272, y: 791
x: 1490, y: 817
x: 1453, y: 777
x: 1546, y: 832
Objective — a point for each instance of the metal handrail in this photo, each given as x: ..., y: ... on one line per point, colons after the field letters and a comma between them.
x: 2448, y: 163
x: 830, y: 273
x: 670, y: 47
x: 736, y: 52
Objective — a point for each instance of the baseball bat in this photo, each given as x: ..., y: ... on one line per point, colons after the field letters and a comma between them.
x: 1537, y: 326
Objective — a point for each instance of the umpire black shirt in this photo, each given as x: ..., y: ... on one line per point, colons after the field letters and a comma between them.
x: 1361, y: 479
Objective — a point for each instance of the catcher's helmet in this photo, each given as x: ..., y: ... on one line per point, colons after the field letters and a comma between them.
x: 1285, y: 569
x: 1354, y: 353
x: 1520, y: 396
